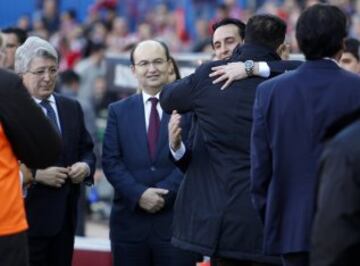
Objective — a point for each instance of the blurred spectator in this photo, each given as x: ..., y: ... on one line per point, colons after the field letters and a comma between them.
x: 89, y: 69
x: 50, y: 15
x: 13, y: 37
x: 203, y: 35
x: 2, y: 51
x: 119, y: 39
x: 24, y: 23
x: 350, y: 59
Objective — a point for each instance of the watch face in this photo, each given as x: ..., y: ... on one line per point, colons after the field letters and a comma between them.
x: 249, y: 63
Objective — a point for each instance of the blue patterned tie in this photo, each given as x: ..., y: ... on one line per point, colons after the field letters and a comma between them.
x: 50, y: 113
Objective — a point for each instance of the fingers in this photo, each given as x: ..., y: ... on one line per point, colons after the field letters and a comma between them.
x: 160, y: 191
x: 221, y: 79
x: 227, y: 84
x: 218, y: 72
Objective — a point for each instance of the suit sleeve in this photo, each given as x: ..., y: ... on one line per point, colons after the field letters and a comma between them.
x: 180, y: 94
x: 281, y: 66
x: 114, y: 167
x: 335, y: 237
x: 86, y: 147
x: 261, y: 163
x: 33, y: 139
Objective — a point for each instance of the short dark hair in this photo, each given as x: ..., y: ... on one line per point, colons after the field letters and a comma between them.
x: 21, y: 35
x: 352, y: 46
x: 176, y: 68
x: 166, y: 49
x: 320, y: 31
x: 69, y: 76
x: 228, y: 21
x: 267, y: 30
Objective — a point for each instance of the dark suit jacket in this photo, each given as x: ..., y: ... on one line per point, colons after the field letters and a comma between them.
x: 47, y: 206
x: 129, y: 169
x: 25, y: 124
x: 291, y: 113
x: 213, y: 211
x: 336, y: 230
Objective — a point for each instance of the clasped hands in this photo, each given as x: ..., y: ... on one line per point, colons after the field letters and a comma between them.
x: 56, y: 176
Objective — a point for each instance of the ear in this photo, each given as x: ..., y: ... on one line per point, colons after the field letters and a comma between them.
x: 283, y: 51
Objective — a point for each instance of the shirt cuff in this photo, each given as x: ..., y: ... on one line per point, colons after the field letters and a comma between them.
x: 264, y: 70
x: 179, y: 153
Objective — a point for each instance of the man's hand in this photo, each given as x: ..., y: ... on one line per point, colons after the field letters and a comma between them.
x: 27, y: 175
x: 228, y: 73
x: 151, y: 200
x: 78, y: 171
x: 52, y: 176
x: 174, y: 131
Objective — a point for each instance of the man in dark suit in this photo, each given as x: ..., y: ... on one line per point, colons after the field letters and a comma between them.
x: 214, y: 214
x: 51, y: 200
x: 136, y: 163
x: 336, y: 230
x: 26, y: 135
x: 291, y: 113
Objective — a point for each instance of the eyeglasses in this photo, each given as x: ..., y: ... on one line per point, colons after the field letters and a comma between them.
x: 41, y: 72
x: 157, y: 63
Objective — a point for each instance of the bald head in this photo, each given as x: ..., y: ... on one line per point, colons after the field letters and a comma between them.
x: 146, y: 43
x: 150, y: 65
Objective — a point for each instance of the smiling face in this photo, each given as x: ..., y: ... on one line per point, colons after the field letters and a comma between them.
x: 151, y: 66
x: 40, y: 78
x: 225, y: 39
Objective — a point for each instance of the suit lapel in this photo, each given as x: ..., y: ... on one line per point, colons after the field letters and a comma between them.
x: 62, y: 112
x: 139, y: 125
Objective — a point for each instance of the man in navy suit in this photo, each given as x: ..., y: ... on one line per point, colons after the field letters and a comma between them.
x: 51, y: 200
x: 291, y: 113
x: 135, y: 161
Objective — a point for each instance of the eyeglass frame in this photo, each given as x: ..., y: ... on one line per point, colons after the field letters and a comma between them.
x: 146, y: 64
x: 41, y: 72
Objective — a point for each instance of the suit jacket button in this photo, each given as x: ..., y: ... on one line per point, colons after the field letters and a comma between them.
x: 153, y: 168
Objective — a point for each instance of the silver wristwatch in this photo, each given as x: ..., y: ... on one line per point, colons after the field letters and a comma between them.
x: 249, y: 67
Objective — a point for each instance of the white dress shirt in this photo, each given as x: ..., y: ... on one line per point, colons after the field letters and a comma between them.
x: 147, y: 107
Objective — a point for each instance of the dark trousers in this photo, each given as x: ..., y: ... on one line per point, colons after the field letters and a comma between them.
x: 296, y: 259
x: 53, y: 250
x: 14, y: 250
x: 151, y: 252
x: 232, y: 262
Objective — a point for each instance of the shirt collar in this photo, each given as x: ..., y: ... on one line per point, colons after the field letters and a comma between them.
x: 331, y: 59
x: 146, y: 96
x: 51, y: 99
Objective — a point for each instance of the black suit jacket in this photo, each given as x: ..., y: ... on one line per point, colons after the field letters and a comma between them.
x: 213, y: 212
x: 46, y: 206
x: 25, y: 124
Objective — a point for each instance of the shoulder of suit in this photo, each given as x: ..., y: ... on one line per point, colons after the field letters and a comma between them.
x: 127, y: 102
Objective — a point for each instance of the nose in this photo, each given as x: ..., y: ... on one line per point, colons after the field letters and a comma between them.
x: 224, y: 51
x: 152, y: 67
x: 47, y: 75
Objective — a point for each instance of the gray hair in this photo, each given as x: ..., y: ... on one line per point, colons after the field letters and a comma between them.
x: 33, y: 47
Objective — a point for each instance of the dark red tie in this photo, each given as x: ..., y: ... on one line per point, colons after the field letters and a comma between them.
x: 154, y: 127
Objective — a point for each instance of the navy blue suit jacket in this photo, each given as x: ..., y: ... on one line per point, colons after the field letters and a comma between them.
x: 291, y: 113
x: 46, y: 206
x: 129, y: 169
